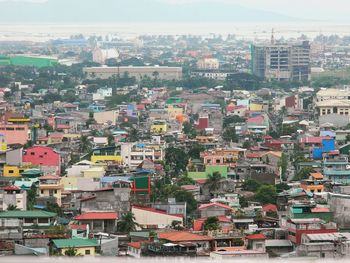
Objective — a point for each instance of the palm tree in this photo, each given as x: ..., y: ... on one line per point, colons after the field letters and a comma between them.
x: 133, y: 135
x: 213, y: 182
x: 127, y: 223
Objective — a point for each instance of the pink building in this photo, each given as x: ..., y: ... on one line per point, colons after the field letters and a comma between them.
x: 15, y: 133
x: 44, y: 157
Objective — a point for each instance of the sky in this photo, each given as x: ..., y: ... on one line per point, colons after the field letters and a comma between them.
x: 304, y: 9
x: 320, y: 10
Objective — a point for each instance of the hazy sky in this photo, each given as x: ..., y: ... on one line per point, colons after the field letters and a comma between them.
x: 325, y: 10
x: 314, y: 9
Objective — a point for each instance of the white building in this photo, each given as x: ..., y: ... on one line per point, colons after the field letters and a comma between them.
x: 101, y: 55
x: 208, y: 63
x: 134, y: 154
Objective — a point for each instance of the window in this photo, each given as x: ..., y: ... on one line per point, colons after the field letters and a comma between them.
x: 55, y: 191
x: 42, y: 191
x: 29, y: 220
x: 32, y: 153
x: 11, y: 171
x: 87, y: 252
x: 43, y: 220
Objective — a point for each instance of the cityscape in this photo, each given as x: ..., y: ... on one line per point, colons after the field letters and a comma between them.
x: 200, y: 130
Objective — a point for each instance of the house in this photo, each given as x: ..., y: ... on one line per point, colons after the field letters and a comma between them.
x: 15, y: 133
x: 278, y: 247
x: 148, y: 217
x: 224, y: 222
x: 84, y: 247
x: 44, y: 157
x: 315, y: 183
x: 99, y: 221
x: 214, y: 209
x: 256, y: 242
x: 330, y: 245
x: 203, y: 243
x: 13, y: 196
x: 50, y: 189
x: 298, y: 227
x: 27, y: 219
x: 159, y: 127
x: 134, y: 249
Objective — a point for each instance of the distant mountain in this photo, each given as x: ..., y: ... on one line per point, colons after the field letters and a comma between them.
x: 102, y: 11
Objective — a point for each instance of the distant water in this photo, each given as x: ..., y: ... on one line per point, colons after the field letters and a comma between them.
x: 45, y: 32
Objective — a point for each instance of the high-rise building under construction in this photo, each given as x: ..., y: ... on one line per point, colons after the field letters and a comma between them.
x: 282, y: 61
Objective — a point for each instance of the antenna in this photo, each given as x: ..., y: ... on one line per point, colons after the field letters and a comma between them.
x: 272, y: 37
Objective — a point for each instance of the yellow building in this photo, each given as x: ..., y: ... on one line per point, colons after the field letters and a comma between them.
x: 255, y: 107
x: 106, y: 158
x: 94, y: 172
x: 3, y: 144
x: 49, y: 187
x: 174, y: 111
x: 82, y: 247
x: 12, y: 171
x: 159, y: 127
x: 314, y: 184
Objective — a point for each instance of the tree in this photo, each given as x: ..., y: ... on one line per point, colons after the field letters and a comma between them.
x: 127, y: 223
x: 303, y: 173
x: 229, y: 135
x: 177, y: 225
x: 266, y: 194
x: 232, y: 120
x: 211, y: 224
x: 177, y: 159
x: 250, y: 185
x: 246, y: 145
x: 185, y: 180
x: 133, y: 135
x: 283, y: 164
x: 85, y: 144
x: 12, y: 208
x: 54, y: 208
x: 213, y: 182
x: 71, y: 252
x: 195, y: 150
x: 184, y: 196
x: 31, y: 197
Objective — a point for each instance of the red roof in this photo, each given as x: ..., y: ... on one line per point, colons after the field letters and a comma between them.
x: 49, y: 177
x: 269, y: 208
x: 257, y: 120
x: 204, y: 206
x: 253, y: 155
x: 97, y: 216
x: 320, y: 210
x: 312, y: 140
x: 256, y: 237
x: 136, y: 245
x: 78, y: 227
x: 154, y: 210
x: 11, y: 188
x: 63, y: 126
x: 201, y: 181
x: 183, y: 236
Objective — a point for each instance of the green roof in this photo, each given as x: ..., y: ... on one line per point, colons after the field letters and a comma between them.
x: 26, y: 214
x: 76, y: 242
x: 209, y: 170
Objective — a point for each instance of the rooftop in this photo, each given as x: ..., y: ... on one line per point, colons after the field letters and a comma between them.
x: 183, y: 236
x: 76, y: 243
x: 97, y: 216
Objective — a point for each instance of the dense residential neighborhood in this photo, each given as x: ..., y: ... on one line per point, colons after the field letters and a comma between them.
x: 175, y: 146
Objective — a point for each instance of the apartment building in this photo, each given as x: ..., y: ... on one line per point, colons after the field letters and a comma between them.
x: 167, y: 73
x: 282, y: 62
x: 134, y: 154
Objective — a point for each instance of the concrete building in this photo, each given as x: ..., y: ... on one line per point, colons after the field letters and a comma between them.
x: 332, y: 245
x: 134, y: 154
x: 167, y: 73
x: 101, y: 55
x: 282, y: 61
x: 50, y: 187
x: 13, y: 196
x: 333, y: 94
x: 333, y: 106
x: 208, y: 63
x: 148, y: 217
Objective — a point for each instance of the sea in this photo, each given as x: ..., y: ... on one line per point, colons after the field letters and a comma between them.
x: 248, y: 31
